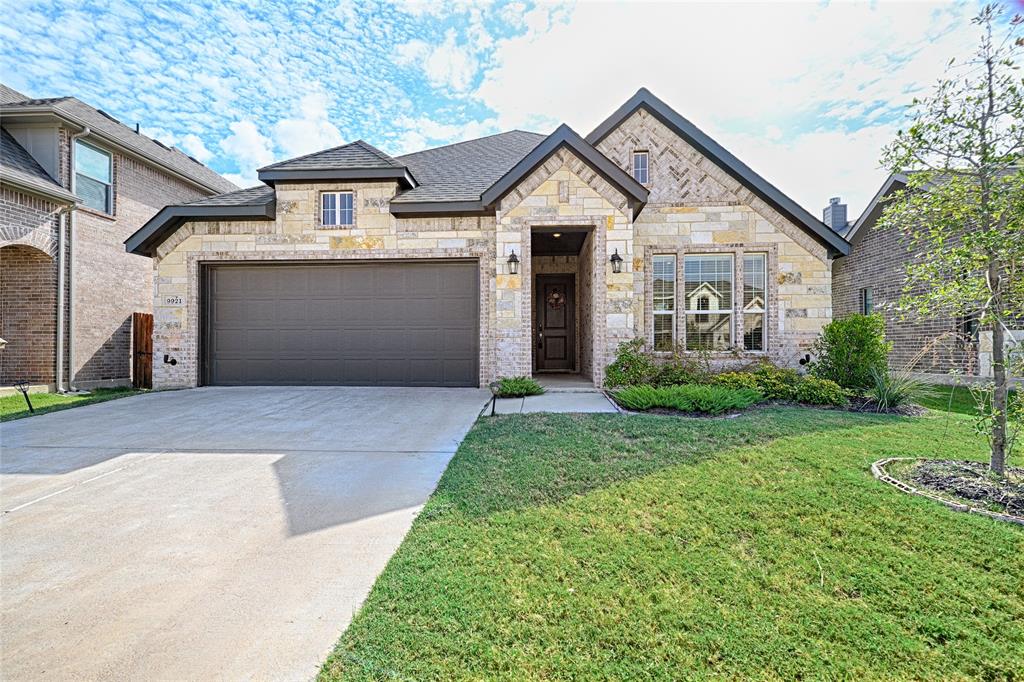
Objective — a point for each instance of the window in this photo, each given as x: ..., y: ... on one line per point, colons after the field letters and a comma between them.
x: 640, y: 168
x: 708, y: 296
x: 336, y: 209
x: 664, y: 298
x: 94, y: 177
x: 867, y: 301
x: 967, y: 327
x: 754, y: 276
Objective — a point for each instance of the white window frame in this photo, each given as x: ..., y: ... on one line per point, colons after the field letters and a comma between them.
x: 646, y: 166
x: 109, y: 209
x: 338, y: 213
x: 671, y: 314
x: 731, y: 311
x: 763, y: 310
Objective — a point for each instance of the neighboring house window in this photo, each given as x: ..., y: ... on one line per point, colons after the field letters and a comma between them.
x: 754, y: 297
x: 336, y: 208
x: 94, y: 177
x: 867, y: 301
x: 708, y: 297
x: 664, y: 298
x: 967, y: 330
x: 641, y: 170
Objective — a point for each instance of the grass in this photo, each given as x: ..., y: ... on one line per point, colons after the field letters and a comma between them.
x: 13, y: 406
x: 956, y: 399
x: 659, y: 548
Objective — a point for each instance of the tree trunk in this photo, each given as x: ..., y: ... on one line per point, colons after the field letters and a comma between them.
x: 997, y: 462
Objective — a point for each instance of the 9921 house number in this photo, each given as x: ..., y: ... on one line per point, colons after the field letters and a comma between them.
x: 174, y: 300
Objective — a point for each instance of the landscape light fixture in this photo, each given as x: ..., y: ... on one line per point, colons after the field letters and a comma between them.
x: 616, y: 262
x: 23, y: 387
x: 513, y: 264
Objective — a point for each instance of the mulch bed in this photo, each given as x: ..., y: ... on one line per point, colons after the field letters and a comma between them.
x: 972, y: 482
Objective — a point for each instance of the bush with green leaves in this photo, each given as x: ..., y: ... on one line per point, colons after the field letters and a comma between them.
x: 850, y: 349
x: 518, y: 387
x: 681, y: 369
x: 632, y: 366
x: 704, y: 398
x: 777, y: 383
x: 890, y: 390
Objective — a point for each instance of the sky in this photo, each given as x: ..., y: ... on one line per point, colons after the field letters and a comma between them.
x: 804, y: 93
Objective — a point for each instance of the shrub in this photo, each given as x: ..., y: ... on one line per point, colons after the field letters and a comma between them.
x: 815, y: 391
x: 850, y: 349
x: 518, y: 387
x: 890, y: 390
x: 680, y: 370
x: 632, y: 366
x: 687, y: 398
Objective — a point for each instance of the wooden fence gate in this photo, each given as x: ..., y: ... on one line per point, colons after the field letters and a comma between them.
x: 142, y: 350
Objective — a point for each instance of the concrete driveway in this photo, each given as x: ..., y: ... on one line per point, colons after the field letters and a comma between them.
x: 216, y: 533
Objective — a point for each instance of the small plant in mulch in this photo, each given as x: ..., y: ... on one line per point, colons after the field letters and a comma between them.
x: 972, y: 483
x: 518, y: 387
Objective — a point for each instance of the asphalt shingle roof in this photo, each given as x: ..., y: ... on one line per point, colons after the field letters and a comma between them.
x: 113, y: 129
x: 18, y: 165
x: 462, y: 171
x: 252, y: 196
x: 357, y: 155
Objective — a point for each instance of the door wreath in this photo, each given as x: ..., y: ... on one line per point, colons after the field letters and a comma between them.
x: 556, y: 299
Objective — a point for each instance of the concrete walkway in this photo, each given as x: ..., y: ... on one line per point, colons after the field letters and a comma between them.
x: 217, y: 533
x: 557, y: 401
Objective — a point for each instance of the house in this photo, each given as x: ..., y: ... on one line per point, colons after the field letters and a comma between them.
x: 513, y: 254
x: 74, y: 184
x: 870, y: 279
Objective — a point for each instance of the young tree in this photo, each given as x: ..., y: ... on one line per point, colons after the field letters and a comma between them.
x: 962, y: 211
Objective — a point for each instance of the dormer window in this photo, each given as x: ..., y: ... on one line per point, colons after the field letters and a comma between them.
x: 641, y: 172
x: 336, y: 209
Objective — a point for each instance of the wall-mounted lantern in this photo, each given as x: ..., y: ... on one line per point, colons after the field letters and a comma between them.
x: 513, y: 264
x: 616, y: 262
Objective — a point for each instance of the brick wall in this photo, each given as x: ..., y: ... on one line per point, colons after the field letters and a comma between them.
x: 878, y: 260
x: 28, y: 315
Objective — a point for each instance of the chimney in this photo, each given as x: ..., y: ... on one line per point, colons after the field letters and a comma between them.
x: 834, y: 215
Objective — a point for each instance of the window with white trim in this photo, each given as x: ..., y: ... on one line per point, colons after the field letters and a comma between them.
x: 754, y: 300
x: 641, y: 167
x: 708, y: 301
x: 663, y: 270
x: 336, y: 209
x: 94, y: 177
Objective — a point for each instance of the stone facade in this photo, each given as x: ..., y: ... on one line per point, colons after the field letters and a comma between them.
x: 694, y: 207
x: 878, y: 261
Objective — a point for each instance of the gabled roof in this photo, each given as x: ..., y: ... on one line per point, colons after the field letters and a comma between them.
x: 106, y: 128
x: 698, y: 139
x: 354, y: 161
x: 873, y: 212
x: 18, y: 168
x: 254, y: 203
x: 462, y: 171
x: 562, y: 137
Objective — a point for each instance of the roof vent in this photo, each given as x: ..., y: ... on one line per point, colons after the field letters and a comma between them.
x: 834, y: 215
x: 108, y: 116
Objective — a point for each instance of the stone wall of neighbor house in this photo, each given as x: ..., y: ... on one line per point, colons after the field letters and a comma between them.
x: 111, y: 284
x: 28, y: 315
x: 695, y: 207
x: 295, y: 235
x: 563, y: 192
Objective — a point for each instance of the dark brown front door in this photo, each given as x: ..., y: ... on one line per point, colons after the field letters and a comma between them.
x: 556, y: 323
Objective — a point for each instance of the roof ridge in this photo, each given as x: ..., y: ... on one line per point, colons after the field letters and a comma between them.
x: 376, y: 152
x: 475, y: 139
x: 318, y: 152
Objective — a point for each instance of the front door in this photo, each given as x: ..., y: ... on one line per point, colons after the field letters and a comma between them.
x: 556, y: 323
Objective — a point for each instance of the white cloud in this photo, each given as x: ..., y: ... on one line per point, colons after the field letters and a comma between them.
x: 194, y: 147
x: 736, y: 68
x: 311, y: 130
x: 450, y: 64
x: 249, y: 149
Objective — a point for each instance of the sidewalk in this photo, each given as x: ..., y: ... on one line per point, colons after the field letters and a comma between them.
x: 555, y: 401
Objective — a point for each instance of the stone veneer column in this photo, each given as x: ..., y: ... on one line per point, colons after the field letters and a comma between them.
x: 511, y: 329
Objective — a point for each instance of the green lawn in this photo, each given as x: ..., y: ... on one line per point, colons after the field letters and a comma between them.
x: 13, y: 406
x: 950, y: 399
x: 657, y: 548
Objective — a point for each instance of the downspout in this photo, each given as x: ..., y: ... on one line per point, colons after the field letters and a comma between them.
x: 61, y: 285
x: 71, y: 260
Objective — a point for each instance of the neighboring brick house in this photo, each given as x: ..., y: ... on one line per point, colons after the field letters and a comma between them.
x: 514, y: 254
x: 74, y: 184
x: 870, y: 279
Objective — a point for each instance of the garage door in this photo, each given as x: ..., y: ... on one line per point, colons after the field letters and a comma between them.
x: 361, y: 324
